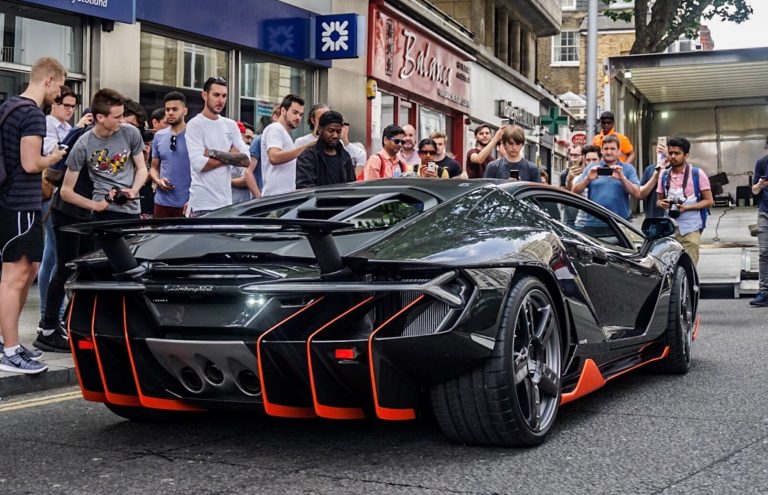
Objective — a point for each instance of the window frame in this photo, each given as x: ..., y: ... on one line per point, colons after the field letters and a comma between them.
x: 557, y: 44
x: 625, y: 244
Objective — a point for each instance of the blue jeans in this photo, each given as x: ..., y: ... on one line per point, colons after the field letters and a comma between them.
x: 762, y: 242
x: 49, y: 258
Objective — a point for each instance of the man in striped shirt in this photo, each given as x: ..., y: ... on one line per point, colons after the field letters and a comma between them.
x: 21, y: 233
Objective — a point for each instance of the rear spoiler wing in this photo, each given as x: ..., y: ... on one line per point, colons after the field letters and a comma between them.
x: 111, y: 235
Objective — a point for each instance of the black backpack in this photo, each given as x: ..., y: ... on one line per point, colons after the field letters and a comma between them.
x: 55, y: 173
x: 9, y: 109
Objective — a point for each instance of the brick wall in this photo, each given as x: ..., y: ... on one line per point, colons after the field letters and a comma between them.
x: 560, y: 79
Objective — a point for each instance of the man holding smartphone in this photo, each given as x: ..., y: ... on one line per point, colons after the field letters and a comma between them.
x: 611, y: 183
x: 514, y: 166
x: 760, y: 186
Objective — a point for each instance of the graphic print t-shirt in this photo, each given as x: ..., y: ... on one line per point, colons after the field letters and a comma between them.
x: 109, y: 163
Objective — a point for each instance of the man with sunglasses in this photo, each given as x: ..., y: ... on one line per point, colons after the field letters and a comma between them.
x: 387, y: 162
x: 214, y: 143
x: 170, y: 168
x: 607, y: 128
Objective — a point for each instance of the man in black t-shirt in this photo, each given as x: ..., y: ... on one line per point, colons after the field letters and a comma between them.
x: 326, y: 162
x: 21, y: 234
x: 447, y: 167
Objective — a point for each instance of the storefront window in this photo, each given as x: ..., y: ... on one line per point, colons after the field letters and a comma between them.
x: 382, y: 115
x: 263, y: 85
x: 431, y: 121
x: 405, y: 113
x: 40, y: 33
x: 168, y: 64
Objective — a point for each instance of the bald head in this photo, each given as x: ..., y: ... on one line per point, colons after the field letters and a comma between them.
x: 410, y: 137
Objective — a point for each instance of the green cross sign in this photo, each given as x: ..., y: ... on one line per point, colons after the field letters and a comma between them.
x: 554, y: 120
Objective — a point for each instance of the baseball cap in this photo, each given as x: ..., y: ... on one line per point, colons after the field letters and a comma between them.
x: 241, y: 126
x: 607, y: 116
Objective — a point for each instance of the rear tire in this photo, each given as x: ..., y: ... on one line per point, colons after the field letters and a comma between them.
x: 513, y: 398
x: 679, y: 336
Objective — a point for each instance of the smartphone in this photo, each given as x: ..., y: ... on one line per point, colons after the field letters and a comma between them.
x: 514, y: 174
x: 504, y: 122
x: 605, y: 171
x: 661, y: 157
x: 764, y: 178
x: 432, y: 167
x: 63, y: 147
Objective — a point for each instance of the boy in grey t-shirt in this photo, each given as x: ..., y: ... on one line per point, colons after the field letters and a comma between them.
x: 112, y: 153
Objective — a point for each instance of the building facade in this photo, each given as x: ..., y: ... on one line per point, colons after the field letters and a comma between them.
x: 441, y: 65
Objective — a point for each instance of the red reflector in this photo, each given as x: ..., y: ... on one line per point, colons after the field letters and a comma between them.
x: 345, y: 353
x: 85, y: 344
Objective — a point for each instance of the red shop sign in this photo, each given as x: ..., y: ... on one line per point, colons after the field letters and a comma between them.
x: 410, y: 59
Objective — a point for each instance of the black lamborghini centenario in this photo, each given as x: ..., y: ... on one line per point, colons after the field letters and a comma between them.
x: 492, y: 303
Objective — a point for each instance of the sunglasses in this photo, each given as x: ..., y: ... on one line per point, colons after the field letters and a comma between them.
x: 214, y: 80
x: 427, y: 152
x: 173, y: 143
x: 398, y: 141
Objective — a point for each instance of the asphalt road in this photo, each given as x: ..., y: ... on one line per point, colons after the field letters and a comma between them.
x: 706, y: 432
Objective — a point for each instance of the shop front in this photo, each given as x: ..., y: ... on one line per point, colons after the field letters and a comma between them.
x: 417, y: 78
x: 52, y: 28
x: 261, y: 53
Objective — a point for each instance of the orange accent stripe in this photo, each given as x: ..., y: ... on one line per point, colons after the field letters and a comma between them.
x: 664, y: 354
x: 321, y: 410
x: 112, y: 398
x: 270, y: 408
x: 87, y: 394
x: 590, y: 380
x: 696, y: 328
x: 144, y: 400
x: 388, y: 412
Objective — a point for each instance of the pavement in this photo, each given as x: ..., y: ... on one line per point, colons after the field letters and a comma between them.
x: 723, y: 243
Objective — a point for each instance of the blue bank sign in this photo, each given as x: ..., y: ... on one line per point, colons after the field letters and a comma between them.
x: 115, y: 10
x: 338, y: 36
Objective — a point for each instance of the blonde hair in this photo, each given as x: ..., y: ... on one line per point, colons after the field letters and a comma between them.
x: 45, y: 67
x: 513, y: 134
x: 438, y: 135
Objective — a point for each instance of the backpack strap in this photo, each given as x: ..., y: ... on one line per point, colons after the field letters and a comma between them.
x: 704, y: 212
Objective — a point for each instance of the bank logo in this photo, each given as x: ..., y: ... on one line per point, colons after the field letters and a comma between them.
x: 335, y: 36
x: 281, y: 39
x: 286, y: 37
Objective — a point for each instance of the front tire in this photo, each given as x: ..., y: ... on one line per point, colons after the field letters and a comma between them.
x: 679, y: 335
x: 513, y: 399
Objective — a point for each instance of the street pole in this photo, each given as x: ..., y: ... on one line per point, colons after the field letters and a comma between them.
x: 591, y: 73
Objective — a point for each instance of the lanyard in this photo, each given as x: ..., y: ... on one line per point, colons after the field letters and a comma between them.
x: 685, y: 181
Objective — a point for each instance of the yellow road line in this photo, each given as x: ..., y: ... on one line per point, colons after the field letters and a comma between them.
x: 40, y: 401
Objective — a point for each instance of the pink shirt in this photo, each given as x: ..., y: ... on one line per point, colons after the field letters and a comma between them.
x: 676, y: 183
x: 373, y: 166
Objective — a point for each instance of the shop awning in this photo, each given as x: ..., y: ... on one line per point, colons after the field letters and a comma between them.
x: 696, y: 76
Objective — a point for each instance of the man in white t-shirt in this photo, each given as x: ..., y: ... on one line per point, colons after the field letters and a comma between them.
x: 278, y: 151
x: 214, y: 144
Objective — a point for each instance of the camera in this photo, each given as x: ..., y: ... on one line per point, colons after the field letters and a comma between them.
x: 147, y: 135
x: 674, y: 207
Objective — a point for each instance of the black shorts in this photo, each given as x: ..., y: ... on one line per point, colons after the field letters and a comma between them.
x: 21, y: 234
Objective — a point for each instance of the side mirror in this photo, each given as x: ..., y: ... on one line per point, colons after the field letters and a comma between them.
x: 656, y: 228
